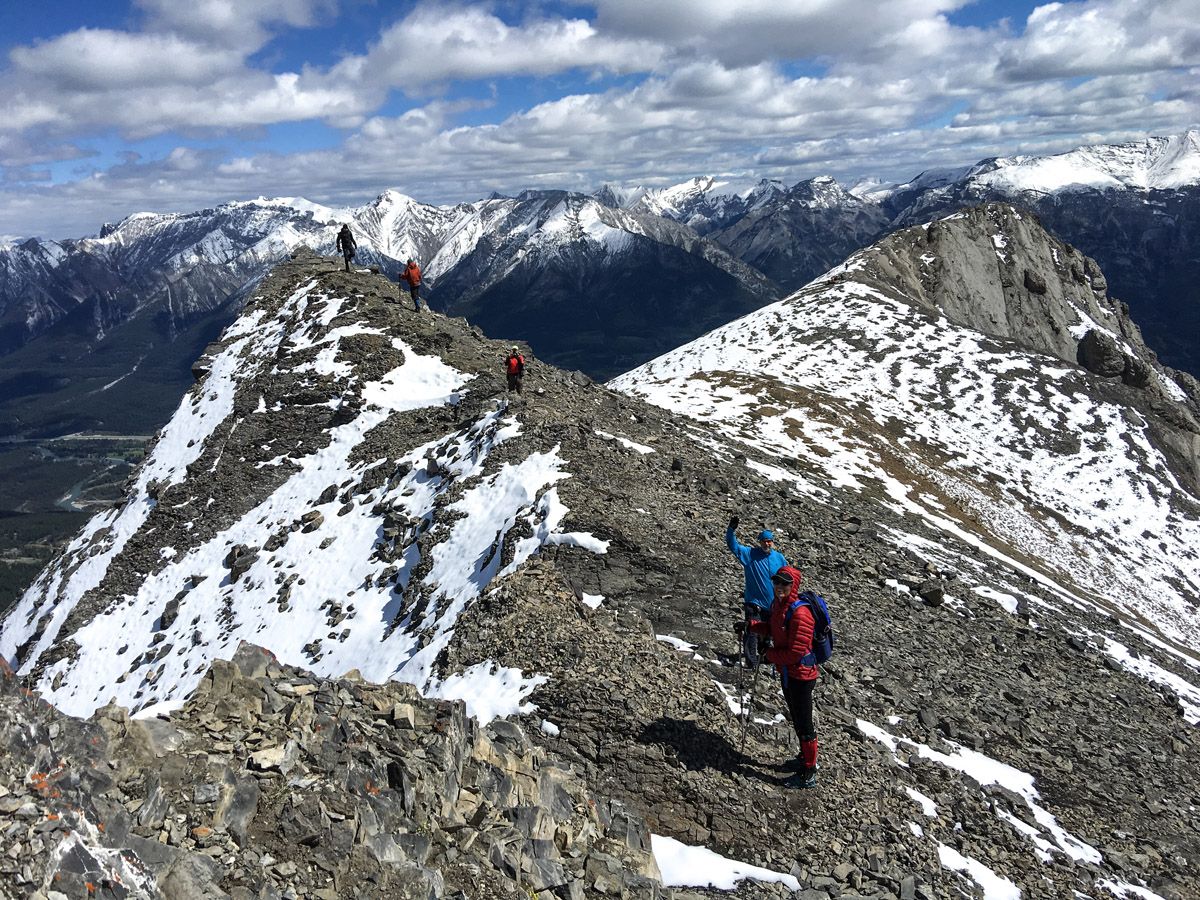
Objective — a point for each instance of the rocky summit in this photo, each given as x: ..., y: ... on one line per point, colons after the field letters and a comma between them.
x: 367, y: 624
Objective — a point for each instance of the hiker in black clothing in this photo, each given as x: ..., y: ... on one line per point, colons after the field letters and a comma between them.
x: 346, y: 245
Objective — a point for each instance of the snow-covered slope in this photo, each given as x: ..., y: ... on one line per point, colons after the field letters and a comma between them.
x: 1158, y: 163
x: 211, y: 587
x: 905, y: 374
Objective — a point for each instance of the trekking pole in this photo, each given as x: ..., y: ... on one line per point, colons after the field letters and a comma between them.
x: 748, y: 707
x: 739, y: 629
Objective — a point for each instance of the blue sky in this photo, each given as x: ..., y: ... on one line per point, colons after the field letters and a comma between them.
x: 113, y: 108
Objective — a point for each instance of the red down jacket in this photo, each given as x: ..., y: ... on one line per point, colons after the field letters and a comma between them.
x: 791, y: 636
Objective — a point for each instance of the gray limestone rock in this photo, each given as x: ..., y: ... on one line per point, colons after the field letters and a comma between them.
x: 1099, y: 353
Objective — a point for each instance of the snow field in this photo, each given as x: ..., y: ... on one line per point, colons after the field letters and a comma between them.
x: 993, y: 886
x: 799, y: 379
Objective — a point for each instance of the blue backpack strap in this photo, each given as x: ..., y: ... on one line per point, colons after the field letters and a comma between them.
x: 806, y: 598
x: 787, y: 618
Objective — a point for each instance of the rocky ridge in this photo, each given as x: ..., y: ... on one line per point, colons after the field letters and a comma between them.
x: 353, y: 569
x: 999, y: 272
x: 270, y: 783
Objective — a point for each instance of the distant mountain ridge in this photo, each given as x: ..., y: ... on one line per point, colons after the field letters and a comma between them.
x: 1156, y: 164
x: 1134, y: 207
x: 163, y: 285
x: 600, y: 283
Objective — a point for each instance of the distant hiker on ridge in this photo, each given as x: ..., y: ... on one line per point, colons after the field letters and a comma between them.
x: 514, y: 368
x: 346, y: 245
x: 760, y: 563
x: 790, y: 627
x: 412, y: 274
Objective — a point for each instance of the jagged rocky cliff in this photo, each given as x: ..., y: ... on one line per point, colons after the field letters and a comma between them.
x: 349, y: 486
x: 1134, y: 207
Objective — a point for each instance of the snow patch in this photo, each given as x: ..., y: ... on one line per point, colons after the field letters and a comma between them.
x: 489, y: 691
x: 993, y: 886
x: 683, y: 865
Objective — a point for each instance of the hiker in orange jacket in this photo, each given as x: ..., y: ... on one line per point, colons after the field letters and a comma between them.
x: 514, y: 368
x: 412, y: 275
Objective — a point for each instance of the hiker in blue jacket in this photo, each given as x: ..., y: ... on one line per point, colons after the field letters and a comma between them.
x: 759, y: 563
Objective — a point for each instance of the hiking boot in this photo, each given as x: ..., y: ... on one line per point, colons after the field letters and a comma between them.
x: 804, y: 779
x: 796, y: 764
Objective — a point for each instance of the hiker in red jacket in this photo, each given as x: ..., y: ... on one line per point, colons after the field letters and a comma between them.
x: 791, y: 629
x: 412, y: 274
x: 514, y: 368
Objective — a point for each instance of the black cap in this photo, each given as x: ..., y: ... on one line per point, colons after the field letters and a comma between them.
x: 783, y: 577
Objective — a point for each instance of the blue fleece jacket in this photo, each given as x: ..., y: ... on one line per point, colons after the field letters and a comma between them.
x: 760, y: 565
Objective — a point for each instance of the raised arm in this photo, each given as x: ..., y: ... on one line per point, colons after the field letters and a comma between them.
x: 740, y: 551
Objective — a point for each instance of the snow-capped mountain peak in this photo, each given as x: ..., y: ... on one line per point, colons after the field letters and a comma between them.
x: 678, y: 200
x: 619, y: 197
x: 1158, y: 163
x: 823, y: 192
x: 765, y: 192
x: 703, y: 203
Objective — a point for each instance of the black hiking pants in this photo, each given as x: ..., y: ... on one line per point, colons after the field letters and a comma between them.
x: 750, y: 640
x: 799, y: 696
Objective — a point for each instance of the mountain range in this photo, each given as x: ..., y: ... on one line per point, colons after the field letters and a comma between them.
x: 380, y: 627
x: 125, y: 312
x: 600, y: 283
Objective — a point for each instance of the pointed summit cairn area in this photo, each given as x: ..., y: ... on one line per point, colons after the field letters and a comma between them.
x: 482, y: 643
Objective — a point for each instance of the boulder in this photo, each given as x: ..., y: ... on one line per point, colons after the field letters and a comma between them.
x: 239, y: 559
x: 1099, y: 354
x: 1034, y: 283
x: 933, y: 592
x: 1137, y: 373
